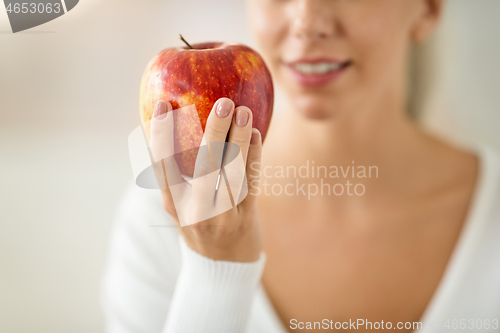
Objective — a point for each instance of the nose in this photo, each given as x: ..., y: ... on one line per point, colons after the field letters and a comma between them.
x: 311, y: 19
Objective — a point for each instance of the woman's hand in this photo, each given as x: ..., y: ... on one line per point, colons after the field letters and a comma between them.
x: 234, y: 235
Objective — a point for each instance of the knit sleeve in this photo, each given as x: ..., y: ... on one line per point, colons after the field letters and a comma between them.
x: 211, y: 295
x: 155, y: 283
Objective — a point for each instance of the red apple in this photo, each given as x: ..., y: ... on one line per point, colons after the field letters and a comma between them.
x: 201, y: 75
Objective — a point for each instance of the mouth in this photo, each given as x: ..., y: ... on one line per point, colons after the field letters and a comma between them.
x: 317, y: 72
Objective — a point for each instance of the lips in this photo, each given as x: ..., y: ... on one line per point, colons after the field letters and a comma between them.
x: 314, y: 72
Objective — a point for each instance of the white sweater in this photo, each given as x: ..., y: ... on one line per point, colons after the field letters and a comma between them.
x: 154, y: 283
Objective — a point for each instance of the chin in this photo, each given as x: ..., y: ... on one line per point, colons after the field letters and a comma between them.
x: 315, y: 108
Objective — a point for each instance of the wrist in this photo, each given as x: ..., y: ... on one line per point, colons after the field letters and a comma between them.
x: 235, y: 251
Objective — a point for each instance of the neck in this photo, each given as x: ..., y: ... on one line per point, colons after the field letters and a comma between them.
x: 365, y: 133
x: 380, y: 134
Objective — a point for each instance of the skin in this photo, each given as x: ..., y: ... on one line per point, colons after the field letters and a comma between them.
x: 378, y: 256
x: 236, y: 234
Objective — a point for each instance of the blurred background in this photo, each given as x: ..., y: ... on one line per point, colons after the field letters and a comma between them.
x: 69, y: 95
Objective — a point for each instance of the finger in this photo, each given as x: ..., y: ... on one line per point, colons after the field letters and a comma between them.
x: 241, y: 129
x: 161, y: 145
x: 168, y: 204
x: 219, y: 120
x: 253, y: 167
x: 218, y: 124
x: 162, y: 131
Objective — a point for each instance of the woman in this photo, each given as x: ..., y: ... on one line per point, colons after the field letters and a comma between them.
x: 412, y: 246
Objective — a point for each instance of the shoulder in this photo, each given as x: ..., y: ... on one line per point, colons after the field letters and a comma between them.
x: 484, y: 211
x: 482, y: 235
x: 488, y: 187
x: 488, y: 196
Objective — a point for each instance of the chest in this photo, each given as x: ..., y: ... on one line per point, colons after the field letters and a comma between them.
x: 338, y: 272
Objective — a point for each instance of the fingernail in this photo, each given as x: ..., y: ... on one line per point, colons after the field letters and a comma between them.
x: 255, y: 137
x: 224, y: 108
x: 241, y: 118
x: 160, y: 110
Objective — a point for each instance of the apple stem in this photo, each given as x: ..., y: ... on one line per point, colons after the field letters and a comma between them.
x: 182, y: 38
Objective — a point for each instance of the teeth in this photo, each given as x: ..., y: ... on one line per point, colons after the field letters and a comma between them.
x: 319, y: 68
